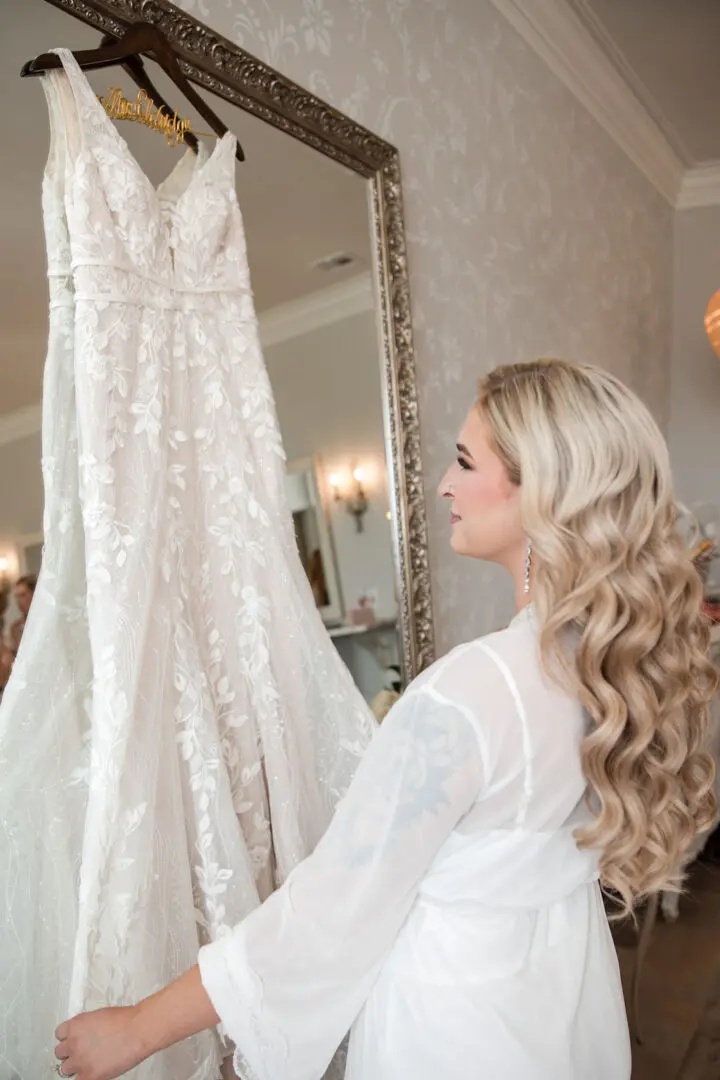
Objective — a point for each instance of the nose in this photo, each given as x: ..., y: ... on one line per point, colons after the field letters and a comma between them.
x: 446, y: 489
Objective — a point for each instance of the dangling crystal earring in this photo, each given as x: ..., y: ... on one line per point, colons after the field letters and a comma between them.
x: 528, y: 565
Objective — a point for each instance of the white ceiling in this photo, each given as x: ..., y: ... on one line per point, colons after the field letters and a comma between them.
x: 298, y: 205
x: 669, y: 53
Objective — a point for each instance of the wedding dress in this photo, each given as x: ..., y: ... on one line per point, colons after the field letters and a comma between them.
x: 178, y: 728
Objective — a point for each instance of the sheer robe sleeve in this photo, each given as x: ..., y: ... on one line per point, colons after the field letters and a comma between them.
x: 289, y: 981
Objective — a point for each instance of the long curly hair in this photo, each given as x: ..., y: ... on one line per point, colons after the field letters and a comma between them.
x: 619, y: 603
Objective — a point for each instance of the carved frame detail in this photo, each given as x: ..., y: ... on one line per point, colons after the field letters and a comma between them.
x: 218, y: 65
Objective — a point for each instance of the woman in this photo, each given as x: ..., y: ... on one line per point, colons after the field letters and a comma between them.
x: 452, y: 914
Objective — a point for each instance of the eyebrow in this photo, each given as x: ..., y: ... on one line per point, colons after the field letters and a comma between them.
x: 462, y: 449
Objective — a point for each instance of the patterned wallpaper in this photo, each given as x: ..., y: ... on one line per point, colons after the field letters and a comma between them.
x: 529, y: 231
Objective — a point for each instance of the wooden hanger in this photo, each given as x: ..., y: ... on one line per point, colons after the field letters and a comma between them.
x: 139, y: 38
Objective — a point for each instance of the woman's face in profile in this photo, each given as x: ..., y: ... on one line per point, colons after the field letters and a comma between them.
x: 484, y: 503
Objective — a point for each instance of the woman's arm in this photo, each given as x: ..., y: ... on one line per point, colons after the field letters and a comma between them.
x: 105, y: 1044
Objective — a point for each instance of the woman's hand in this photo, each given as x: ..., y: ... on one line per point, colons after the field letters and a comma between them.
x: 100, y: 1045
x: 108, y: 1043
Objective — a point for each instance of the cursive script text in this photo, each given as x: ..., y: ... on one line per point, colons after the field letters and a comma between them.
x: 143, y: 111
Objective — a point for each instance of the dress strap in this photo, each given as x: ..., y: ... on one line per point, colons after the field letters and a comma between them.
x: 63, y: 120
x: 90, y: 116
x: 54, y: 169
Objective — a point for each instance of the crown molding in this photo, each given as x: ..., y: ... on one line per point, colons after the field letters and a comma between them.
x: 607, y: 44
x: 558, y: 34
x: 700, y: 187
x: 281, y: 323
x: 20, y: 424
x: 297, y: 317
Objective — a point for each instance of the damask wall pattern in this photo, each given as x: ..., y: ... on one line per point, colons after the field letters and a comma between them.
x: 529, y: 232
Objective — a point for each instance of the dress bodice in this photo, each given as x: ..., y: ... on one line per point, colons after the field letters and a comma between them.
x: 186, y: 235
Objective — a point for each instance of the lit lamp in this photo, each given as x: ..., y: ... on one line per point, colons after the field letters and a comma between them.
x: 335, y: 485
x: 712, y: 322
x: 356, y: 501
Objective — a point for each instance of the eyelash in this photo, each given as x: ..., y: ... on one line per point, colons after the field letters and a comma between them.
x: 463, y: 463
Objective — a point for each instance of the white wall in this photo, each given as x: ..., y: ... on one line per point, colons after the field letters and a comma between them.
x: 695, y: 386
x: 328, y: 396
x: 529, y: 231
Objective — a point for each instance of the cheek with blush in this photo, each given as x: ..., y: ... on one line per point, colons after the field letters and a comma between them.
x: 488, y: 511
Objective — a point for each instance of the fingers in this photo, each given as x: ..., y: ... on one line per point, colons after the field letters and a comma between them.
x: 62, y: 1031
x: 63, y: 1068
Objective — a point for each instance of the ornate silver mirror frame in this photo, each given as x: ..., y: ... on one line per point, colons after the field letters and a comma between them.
x: 215, y: 63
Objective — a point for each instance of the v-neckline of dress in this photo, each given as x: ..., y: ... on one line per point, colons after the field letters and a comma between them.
x: 105, y: 123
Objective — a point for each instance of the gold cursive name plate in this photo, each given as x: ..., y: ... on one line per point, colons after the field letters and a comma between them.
x: 143, y: 111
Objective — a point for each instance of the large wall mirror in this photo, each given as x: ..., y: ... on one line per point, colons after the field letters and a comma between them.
x: 321, y: 200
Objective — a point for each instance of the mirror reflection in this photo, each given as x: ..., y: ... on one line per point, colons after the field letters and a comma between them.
x: 309, y: 253
x: 312, y: 533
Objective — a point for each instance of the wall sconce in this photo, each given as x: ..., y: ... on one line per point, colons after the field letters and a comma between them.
x: 356, y: 501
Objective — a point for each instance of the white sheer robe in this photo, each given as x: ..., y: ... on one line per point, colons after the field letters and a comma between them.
x: 447, y: 916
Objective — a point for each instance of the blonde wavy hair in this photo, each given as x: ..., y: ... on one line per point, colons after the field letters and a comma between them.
x: 612, y: 574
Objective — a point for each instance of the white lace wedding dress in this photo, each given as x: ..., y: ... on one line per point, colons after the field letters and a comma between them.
x: 179, y: 727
